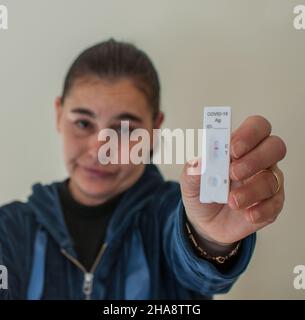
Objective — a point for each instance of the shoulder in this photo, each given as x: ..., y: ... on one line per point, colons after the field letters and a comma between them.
x: 14, y: 210
x: 166, y: 198
x: 169, y: 190
x: 15, y: 216
x: 41, y: 196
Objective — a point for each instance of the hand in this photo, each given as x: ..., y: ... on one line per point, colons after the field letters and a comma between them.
x: 253, y: 200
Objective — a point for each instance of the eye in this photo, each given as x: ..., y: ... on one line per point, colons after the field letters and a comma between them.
x: 123, y: 131
x: 83, y: 124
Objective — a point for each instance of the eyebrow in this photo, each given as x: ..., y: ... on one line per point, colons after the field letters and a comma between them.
x: 84, y: 111
x: 121, y: 116
x: 127, y: 116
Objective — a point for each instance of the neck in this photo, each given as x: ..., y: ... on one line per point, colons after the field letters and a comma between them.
x: 85, y: 199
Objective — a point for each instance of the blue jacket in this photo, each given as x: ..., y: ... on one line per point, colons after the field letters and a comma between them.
x: 146, y: 254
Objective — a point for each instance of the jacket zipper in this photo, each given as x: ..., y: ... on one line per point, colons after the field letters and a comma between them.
x: 88, y: 275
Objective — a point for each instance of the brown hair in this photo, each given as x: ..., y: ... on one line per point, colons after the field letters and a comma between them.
x: 112, y: 60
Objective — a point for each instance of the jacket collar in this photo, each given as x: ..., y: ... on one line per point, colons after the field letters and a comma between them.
x: 45, y: 204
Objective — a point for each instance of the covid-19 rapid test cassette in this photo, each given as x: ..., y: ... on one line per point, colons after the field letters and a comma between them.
x: 215, y: 181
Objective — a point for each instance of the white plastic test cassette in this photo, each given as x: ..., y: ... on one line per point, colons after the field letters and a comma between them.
x: 215, y: 182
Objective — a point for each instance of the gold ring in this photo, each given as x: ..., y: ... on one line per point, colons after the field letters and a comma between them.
x: 276, y: 177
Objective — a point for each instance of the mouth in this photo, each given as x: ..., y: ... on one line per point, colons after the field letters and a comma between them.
x: 99, y: 173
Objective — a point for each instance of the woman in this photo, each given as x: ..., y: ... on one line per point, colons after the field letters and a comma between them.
x: 119, y: 231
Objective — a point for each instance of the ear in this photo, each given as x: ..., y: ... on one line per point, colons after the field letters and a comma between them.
x: 58, y: 112
x: 156, y: 125
x: 159, y: 120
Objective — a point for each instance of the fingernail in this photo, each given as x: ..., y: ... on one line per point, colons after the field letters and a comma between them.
x: 238, y: 149
x: 239, y: 171
x: 233, y: 202
x: 193, y: 162
x: 271, y: 220
x: 239, y: 200
x: 255, y: 216
x: 249, y: 217
x: 193, y: 168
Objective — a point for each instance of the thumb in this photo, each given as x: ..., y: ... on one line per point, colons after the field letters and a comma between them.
x: 190, y: 178
x: 190, y: 188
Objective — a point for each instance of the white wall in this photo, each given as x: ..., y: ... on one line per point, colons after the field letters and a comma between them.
x: 240, y: 53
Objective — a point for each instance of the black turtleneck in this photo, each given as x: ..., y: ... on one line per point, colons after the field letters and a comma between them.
x: 86, y: 224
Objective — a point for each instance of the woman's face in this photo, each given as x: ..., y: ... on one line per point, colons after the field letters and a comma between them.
x: 90, y: 106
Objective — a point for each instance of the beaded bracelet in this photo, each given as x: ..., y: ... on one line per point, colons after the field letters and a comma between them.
x: 204, y: 254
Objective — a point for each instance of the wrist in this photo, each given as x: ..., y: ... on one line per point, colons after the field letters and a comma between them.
x: 211, y: 245
x: 203, y: 237
x: 211, y: 250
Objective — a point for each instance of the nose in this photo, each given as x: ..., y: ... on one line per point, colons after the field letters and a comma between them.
x: 94, y: 145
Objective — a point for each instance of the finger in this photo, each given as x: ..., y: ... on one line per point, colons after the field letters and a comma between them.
x: 190, y: 186
x: 251, y: 132
x: 260, y: 187
x: 267, y: 153
x: 266, y: 211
